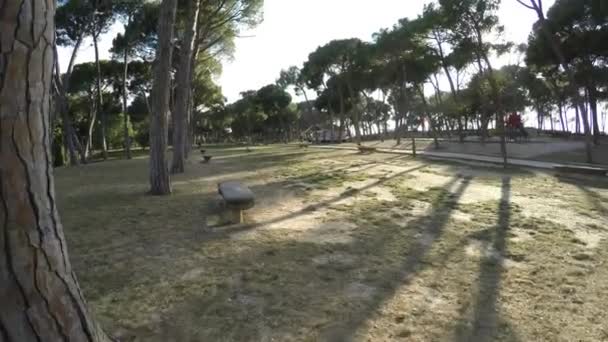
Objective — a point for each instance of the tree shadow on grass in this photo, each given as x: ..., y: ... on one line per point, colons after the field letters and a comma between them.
x: 598, y: 201
x: 226, y: 231
x: 218, y: 289
x: 486, y: 324
x: 588, y: 181
x: 275, y: 290
x: 138, y: 227
x: 413, y: 262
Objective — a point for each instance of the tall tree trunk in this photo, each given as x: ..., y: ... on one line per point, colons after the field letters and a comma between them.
x: 561, y: 115
x: 594, y: 117
x: 397, y: 129
x: 182, y: 98
x: 500, y: 120
x: 68, y: 131
x: 125, y: 114
x: 578, y: 120
x: 432, y: 127
x: 89, y: 143
x: 62, y: 105
x: 190, y: 139
x: 160, y: 184
x: 459, y: 125
x: 330, y: 110
x: 342, y: 114
x: 40, y: 296
x: 356, y: 113
x: 101, y: 113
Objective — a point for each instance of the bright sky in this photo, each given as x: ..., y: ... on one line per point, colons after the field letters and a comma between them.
x: 294, y: 28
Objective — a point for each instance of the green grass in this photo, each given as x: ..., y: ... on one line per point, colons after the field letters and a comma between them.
x: 428, y: 266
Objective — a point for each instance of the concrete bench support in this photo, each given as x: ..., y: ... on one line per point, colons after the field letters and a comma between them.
x: 236, y: 198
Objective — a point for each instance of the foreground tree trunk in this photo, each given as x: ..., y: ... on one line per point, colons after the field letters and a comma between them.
x: 40, y: 296
x: 160, y: 184
x: 182, y: 96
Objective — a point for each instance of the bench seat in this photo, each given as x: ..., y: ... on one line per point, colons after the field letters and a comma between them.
x: 237, y: 197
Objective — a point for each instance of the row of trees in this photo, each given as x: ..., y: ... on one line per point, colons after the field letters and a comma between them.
x: 148, y: 73
x: 435, y: 72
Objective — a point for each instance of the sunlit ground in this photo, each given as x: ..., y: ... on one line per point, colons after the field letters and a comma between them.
x: 340, y: 246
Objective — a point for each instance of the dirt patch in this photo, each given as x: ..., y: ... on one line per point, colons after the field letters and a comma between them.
x: 344, y: 259
x: 461, y: 216
x: 359, y: 291
x: 483, y: 250
x: 520, y: 235
x: 589, y: 239
x: 193, y: 274
x: 329, y: 232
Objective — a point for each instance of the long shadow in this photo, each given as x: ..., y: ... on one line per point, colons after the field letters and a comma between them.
x: 598, y: 202
x: 312, y: 283
x: 224, y: 231
x: 486, y: 314
x: 181, y: 242
x: 414, y: 260
x: 584, y: 181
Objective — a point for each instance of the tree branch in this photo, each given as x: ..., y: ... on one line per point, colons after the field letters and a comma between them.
x: 526, y: 5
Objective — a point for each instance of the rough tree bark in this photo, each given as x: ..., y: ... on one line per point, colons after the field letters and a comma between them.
x: 40, y: 296
x: 182, y: 94
x: 160, y: 184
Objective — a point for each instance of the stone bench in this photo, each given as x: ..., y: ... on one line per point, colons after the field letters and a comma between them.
x: 236, y: 198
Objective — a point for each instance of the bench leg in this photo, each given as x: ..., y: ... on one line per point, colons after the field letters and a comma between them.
x: 232, y: 216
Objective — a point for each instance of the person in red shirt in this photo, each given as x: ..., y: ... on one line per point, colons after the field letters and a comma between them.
x: 514, y: 124
x: 514, y: 121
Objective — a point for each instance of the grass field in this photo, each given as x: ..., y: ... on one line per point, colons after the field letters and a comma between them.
x: 340, y: 246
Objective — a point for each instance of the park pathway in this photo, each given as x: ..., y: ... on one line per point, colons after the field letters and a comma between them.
x: 484, y: 159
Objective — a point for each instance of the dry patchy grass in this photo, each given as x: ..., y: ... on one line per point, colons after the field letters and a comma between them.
x: 340, y: 246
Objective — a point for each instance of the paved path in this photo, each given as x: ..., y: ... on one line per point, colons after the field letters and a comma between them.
x: 479, y: 158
